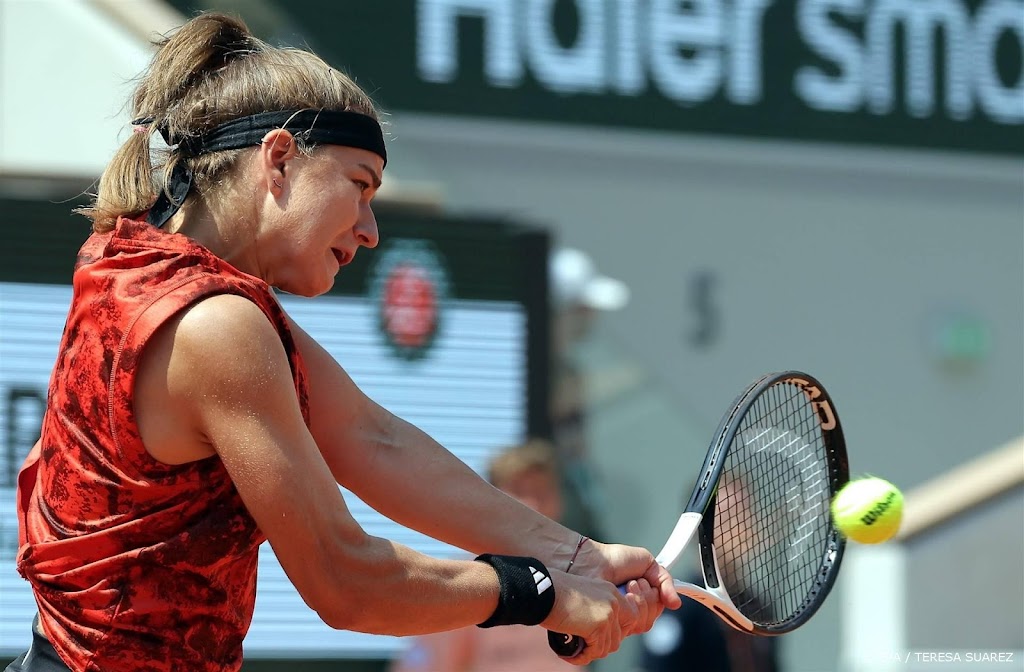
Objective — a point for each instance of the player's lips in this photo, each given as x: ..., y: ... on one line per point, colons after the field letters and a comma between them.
x: 342, y: 256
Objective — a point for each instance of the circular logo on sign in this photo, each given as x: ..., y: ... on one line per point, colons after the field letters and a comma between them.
x: 410, y: 286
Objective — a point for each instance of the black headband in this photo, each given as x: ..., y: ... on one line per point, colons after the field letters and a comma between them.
x: 350, y: 129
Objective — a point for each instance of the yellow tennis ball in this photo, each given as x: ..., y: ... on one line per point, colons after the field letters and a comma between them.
x: 868, y: 510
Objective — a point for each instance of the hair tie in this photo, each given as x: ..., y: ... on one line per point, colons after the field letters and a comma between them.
x: 579, y: 545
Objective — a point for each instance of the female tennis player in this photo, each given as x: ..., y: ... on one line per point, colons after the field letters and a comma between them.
x: 190, y: 419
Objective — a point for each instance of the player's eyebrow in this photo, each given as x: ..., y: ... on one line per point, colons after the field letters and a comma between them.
x: 373, y: 174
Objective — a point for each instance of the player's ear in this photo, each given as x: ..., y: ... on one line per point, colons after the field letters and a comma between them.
x: 276, y: 150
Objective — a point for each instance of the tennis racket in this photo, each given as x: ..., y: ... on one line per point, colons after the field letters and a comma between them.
x: 769, y: 550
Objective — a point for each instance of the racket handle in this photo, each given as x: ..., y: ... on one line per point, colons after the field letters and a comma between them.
x: 566, y: 646
x: 570, y: 646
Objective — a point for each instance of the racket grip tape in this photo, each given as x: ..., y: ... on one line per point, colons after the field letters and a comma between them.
x: 570, y: 646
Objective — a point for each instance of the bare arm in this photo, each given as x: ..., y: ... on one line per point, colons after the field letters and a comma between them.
x: 405, y: 474
x: 221, y: 369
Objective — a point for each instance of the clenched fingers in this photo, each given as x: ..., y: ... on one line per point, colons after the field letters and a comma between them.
x: 663, y: 583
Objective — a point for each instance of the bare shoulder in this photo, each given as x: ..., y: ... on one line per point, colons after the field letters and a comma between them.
x: 224, y: 321
x: 218, y: 354
x: 227, y: 348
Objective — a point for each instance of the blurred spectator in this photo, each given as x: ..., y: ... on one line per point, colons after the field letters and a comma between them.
x: 694, y: 638
x: 528, y: 472
x: 579, y: 293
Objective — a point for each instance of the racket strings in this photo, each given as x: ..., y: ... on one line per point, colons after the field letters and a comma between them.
x: 772, y: 524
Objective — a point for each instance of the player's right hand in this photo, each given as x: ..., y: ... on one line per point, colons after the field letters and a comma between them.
x: 620, y: 564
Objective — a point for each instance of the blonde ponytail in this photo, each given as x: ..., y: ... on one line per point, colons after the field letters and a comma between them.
x: 126, y: 187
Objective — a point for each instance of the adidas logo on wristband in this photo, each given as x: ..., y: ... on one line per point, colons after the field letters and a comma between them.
x: 542, y: 580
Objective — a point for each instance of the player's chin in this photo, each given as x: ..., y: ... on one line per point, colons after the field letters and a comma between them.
x: 312, y: 286
x: 325, y: 286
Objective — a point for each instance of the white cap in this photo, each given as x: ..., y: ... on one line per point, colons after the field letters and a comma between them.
x: 575, y: 280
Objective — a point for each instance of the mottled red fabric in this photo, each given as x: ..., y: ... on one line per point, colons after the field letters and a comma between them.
x: 135, y: 564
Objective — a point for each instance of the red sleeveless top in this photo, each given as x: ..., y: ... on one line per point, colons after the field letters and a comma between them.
x: 136, y: 564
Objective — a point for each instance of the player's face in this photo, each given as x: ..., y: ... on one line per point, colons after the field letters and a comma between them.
x: 320, y: 219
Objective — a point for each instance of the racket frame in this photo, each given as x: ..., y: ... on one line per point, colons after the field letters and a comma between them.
x: 698, y: 516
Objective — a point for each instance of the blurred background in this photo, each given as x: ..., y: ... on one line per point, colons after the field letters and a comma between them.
x: 834, y: 186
